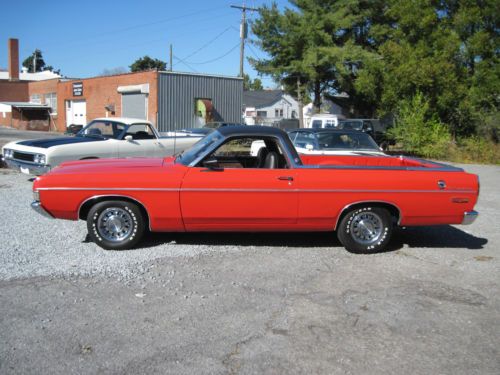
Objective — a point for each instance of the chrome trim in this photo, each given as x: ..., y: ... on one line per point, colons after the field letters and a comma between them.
x: 400, y: 216
x: 469, y: 217
x: 261, y: 190
x: 115, y: 195
x: 37, y: 206
x: 35, y: 169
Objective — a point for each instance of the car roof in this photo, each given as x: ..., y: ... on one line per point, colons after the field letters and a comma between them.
x: 250, y: 130
x: 327, y: 130
x: 125, y: 120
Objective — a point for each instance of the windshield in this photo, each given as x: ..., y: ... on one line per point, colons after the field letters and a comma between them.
x: 351, y: 125
x: 346, y: 141
x: 102, y: 129
x: 189, y: 155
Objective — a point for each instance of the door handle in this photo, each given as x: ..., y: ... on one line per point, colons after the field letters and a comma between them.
x: 285, y: 178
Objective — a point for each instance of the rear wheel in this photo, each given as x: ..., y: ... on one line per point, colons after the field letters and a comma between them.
x: 115, y: 225
x: 365, y: 229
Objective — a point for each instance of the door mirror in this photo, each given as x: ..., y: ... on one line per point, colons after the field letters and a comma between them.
x: 128, y: 138
x: 212, y: 164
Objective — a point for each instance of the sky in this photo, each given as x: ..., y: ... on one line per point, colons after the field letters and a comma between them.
x: 85, y: 38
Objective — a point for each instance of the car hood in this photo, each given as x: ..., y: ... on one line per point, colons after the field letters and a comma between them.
x: 47, y: 143
x: 108, y: 166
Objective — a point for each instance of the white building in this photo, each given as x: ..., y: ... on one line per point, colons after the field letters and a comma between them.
x: 25, y: 76
x: 268, y: 106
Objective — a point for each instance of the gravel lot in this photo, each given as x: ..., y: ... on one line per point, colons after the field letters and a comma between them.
x: 247, y: 303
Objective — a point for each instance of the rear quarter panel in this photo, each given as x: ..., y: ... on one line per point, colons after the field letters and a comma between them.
x: 324, y: 193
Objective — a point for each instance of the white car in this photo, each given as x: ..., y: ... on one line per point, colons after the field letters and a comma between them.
x: 101, y: 138
x: 334, y: 142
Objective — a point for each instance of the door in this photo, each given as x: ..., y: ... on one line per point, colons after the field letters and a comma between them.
x: 143, y: 142
x: 238, y: 195
x: 134, y: 105
x: 76, y: 112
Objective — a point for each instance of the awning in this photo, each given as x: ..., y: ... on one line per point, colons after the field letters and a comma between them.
x: 27, y: 105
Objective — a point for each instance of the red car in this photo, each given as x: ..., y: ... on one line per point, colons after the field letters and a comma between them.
x: 218, y: 185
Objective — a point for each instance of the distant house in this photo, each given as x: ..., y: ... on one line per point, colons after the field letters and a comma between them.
x: 268, y: 106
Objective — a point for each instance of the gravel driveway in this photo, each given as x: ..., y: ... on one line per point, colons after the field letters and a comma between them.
x: 248, y: 303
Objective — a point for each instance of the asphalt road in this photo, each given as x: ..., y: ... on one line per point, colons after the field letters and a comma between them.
x: 248, y: 303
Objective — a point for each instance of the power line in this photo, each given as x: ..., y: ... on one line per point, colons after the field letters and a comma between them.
x: 217, y: 58
x: 185, y: 64
x: 207, y: 44
x: 137, y: 26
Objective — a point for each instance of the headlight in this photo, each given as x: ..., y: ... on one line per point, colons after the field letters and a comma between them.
x: 36, y: 195
x: 8, y: 153
x: 39, y: 159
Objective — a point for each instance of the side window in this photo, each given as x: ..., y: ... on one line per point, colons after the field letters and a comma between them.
x: 140, y: 131
x: 249, y: 152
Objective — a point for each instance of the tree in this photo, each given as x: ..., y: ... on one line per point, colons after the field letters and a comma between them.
x: 113, y: 71
x: 147, y: 63
x: 317, y: 45
x: 29, y: 62
x: 249, y: 85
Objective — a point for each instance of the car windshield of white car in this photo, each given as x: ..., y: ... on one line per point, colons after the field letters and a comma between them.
x: 346, y: 141
x: 102, y: 129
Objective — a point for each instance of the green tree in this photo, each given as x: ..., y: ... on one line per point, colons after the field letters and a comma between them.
x: 29, y: 62
x: 147, y: 63
x: 318, y: 44
x: 249, y: 85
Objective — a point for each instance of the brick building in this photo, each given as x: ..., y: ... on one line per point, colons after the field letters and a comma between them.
x: 170, y: 100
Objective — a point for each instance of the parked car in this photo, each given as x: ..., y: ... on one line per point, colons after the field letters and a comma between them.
x: 373, y: 127
x: 324, y: 121
x: 217, y: 185
x: 333, y: 142
x: 101, y: 138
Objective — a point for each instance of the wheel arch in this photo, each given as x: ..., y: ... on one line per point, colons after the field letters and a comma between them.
x: 87, y: 204
x: 394, y: 210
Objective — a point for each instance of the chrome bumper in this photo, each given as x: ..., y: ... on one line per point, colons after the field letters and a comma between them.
x: 469, y: 217
x: 37, y: 206
x: 27, y: 168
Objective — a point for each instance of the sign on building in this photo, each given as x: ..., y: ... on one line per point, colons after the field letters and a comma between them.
x: 78, y: 89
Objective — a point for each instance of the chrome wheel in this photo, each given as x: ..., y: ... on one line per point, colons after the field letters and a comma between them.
x: 366, y: 227
x: 115, y: 224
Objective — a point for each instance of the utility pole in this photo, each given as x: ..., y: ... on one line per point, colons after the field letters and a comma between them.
x: 243, y: 32
x: 171, y: 68
x: 301, y: 108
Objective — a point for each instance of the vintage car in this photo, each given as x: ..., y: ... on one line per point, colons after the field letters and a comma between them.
x: 217, y: 185
x: 333, y: 142
x: 101, y: 138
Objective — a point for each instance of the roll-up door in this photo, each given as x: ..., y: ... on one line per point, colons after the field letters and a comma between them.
x: 134, y: 105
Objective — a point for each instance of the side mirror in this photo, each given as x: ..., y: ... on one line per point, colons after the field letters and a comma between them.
x: 212, y: 164
x: 128, y: 138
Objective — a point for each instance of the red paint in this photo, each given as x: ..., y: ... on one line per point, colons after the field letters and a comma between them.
x: 180, y: 198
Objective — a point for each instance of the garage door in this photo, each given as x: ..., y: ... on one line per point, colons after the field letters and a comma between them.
x: 134, y: 105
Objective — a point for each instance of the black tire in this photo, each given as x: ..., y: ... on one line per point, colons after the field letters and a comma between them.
x: 365, y: 229
x: 115, y: 225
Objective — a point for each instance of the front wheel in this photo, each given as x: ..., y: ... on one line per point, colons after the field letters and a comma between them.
x: 365, y: 229
x: 115, y: 225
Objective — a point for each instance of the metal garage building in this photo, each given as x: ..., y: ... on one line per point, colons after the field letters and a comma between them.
x: 189, y: 100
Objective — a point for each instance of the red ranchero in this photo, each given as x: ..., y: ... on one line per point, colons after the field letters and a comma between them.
x: 219, y: 185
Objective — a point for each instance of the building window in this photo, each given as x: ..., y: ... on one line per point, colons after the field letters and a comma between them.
x: 278, y: 112
x: 261, y: 113
x: 51, y: 101
x: 36, y: 98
